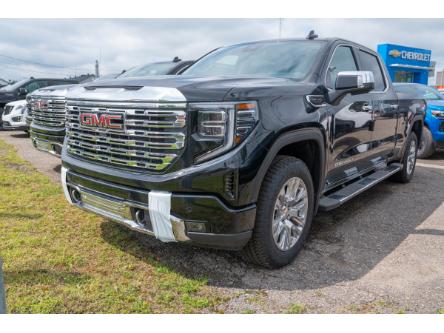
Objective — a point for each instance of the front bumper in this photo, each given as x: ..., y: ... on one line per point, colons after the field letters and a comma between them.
x: 49, y: 140
x: 171, y: 217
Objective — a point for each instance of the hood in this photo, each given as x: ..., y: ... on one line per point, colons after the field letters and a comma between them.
x: 17, y: 103
x: 436, y: 104
x: 54, y: 91
x: 179, y: 88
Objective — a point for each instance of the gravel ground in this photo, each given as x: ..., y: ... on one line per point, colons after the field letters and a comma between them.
x: 380, y: 252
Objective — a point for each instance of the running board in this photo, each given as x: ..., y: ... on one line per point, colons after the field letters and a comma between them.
x: 335, y: 199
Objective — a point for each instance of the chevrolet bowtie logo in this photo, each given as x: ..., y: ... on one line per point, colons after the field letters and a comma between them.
x: 395, y: 53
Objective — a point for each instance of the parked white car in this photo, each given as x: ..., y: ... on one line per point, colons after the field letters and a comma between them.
x: 14, y: 115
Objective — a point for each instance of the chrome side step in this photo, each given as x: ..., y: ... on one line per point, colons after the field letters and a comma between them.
x: 335, y: 199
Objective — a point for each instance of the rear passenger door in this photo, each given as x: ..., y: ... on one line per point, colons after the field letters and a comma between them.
x: 384, y: 107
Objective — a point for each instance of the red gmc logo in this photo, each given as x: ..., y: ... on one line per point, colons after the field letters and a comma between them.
x: 40, y: 104
x: 112, y: 121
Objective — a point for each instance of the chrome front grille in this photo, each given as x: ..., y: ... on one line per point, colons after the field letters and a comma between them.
x: 47, y: 111
x: 152, y: 134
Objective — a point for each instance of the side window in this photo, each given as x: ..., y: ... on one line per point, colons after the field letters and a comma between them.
x: 370, y: 63
x: 342, y: 60
x: 34, y: 85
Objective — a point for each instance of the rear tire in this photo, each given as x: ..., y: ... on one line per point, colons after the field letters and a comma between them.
x: 427, y: 146
x: 408, y: 160
x: 284, y: 213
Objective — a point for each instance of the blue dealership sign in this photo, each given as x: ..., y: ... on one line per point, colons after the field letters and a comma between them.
x: 406, y: 64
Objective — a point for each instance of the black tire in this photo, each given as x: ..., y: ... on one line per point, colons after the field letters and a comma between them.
x: 262, y: 249
x: 405, y: 175
x: 427, y: 146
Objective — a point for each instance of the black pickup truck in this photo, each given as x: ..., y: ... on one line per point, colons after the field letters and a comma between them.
x: 242, y: 149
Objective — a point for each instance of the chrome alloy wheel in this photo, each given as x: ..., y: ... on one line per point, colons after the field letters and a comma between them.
x: 411, y: 157
x: 290, y: 213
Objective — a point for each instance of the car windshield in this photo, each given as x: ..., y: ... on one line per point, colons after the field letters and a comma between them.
x: 289, y: 59
x: 14, y: 86
x: 418, y: 91
x: 159, y: 68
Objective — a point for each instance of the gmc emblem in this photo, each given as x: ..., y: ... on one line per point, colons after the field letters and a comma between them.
x: 39, y: 104
x: 112, y: 121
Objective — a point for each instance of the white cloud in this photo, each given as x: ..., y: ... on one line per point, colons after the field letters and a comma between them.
x: 123, y: 43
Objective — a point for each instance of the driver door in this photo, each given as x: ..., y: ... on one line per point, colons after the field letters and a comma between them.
x: 352, y: 124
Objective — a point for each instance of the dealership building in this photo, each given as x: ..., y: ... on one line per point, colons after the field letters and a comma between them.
x: 407, y: 64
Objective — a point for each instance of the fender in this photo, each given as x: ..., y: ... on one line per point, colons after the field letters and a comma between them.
x: 287, y: 138
x: 401, y: 146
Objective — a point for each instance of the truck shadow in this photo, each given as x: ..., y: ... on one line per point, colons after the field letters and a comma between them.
x: 344, y: 244
x: 20, y: 135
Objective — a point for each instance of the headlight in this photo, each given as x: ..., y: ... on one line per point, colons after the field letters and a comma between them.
x: 221, y: 126
x: 438, y: 114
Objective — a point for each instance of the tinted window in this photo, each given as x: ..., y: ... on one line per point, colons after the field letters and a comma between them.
x: 342, y: 60
x: 34, y: 85
x: 370, y: 63
x: 289, y: 59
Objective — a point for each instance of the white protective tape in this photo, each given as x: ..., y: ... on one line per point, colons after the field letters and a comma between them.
x: 65, y: 187
x: 159, y: 204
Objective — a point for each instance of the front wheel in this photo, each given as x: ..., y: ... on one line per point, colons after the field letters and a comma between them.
x: 284, y: 213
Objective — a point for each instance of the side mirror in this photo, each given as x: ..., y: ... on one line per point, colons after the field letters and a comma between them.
x: 22, y: 91
x: 351, y: 82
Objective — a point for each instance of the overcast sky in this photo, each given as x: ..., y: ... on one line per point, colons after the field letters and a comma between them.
x: 71, y: 46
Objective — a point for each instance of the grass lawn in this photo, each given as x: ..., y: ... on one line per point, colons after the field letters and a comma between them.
x: 59, y: 259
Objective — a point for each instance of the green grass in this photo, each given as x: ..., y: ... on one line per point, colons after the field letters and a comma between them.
x: 297, y: 309
x: 440, y: 311
x: 59, y: 259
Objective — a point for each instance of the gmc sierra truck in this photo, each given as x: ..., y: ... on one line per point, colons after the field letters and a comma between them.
x: 47, y: 105
x: 242, y: 149
x: 19, y: 90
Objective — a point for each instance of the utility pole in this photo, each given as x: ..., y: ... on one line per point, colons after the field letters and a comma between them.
x: 97, y: 69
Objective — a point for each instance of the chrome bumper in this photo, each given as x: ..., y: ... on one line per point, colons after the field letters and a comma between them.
x: 47, y: 146
x: 165, y: 227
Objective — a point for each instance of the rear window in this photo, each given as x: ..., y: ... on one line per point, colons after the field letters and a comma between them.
x: 369, y: 62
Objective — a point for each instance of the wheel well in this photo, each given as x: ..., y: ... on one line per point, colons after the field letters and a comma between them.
x: 417, y: 128
x: 309, y: 152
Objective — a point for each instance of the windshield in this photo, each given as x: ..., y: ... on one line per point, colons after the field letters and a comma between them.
x: 418, y: 91
x: 289, y: 59
x: 159, y: 68
x: 14, y: 86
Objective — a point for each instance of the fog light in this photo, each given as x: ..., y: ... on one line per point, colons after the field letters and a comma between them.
x: 76, y: 196
x: 139, y: 215
x: 196, y: 226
